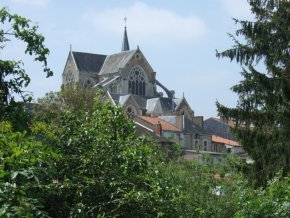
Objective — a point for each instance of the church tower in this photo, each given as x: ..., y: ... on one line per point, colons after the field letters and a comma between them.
x: 125, y: 44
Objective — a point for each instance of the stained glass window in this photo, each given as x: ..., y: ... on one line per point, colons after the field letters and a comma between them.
x: 137, y: 81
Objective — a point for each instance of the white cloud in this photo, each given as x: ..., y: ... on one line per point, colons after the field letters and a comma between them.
x: 147, y: 23
x: 237, y: 8
x: 32, y: 2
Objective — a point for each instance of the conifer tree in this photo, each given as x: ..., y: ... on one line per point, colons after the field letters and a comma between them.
x: 262, y: 113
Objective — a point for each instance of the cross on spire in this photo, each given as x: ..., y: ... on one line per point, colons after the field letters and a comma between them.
x: 125, y: 19
x: 125, y: 44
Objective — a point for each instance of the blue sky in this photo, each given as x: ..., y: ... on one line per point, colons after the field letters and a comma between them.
x: 178, y: 38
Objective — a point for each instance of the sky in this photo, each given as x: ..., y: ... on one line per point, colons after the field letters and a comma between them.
x: 179, y: 38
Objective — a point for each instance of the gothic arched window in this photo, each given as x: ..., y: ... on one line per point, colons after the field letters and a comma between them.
x: 88, y: 83
x: 137, y: 81
x: 113, y: 88
x: 131, y: 111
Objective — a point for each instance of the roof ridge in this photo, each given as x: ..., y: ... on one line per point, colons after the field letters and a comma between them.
x: 80, y: 52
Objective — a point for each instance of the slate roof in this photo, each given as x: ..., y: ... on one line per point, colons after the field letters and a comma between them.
x: 189, y: 126
x: 115, y: 97
x: 161, y: 105
x: 141, y: 101
x: 115, y: 62
x: 151, y: 105
x: 125, y: 44
x: 90, y: 63
x: 167, y: 104
x: 123, y: 99
x: 217, y: 127
x: 106, y: 81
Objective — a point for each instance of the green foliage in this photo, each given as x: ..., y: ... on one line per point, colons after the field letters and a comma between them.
x: 271, y: 201
x: 263, y: 113
x: 13, y: 77
x: 25, y: 172
x: 18, y: 115
x: 207, y: 189
x: 166, y: 152
x: 93, y: 165
x: 72, y: 98
x: 105, y: 169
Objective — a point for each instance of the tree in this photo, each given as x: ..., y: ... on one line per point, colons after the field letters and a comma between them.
x: 269, y: 201
x: 105, y: 169
x: 26, y: 171
x: 263, y: 111
x: 13, y: 77
x: 73, y: 98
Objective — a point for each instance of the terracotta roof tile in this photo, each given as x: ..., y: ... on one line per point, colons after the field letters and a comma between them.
x: 165, y: 125
x: 218, y: 139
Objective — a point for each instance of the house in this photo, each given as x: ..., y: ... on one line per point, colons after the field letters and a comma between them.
x: 130, y: 82
x: 150, y: 130
x: 162, y: 128
x: 222, y: 145
x: 220, y: 127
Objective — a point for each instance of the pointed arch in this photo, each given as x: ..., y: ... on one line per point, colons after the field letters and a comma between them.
x: 137, y: 81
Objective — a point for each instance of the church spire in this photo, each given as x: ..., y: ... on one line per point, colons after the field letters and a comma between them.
x: 125, y: 44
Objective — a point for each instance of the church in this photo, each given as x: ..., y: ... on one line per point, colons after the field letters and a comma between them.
x: 128, y: 78
x: 130, y: 82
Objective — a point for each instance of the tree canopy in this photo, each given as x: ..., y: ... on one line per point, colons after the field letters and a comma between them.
x: 263, y: 112
x: 13, y: 77
x: 79, y: 157
x: 12, y: 74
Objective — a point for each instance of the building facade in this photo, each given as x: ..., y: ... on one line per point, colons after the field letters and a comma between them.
x: 130, y: 82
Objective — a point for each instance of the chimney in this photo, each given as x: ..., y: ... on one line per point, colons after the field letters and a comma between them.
x: 158, y: 129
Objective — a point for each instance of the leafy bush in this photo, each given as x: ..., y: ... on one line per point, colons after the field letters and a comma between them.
x: 26, y: 172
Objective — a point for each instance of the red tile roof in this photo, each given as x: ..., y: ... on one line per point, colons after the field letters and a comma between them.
x: 218, y: 139
x: 165, y: 125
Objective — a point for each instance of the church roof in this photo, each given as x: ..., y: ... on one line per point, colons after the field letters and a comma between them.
x: 125, y: 44
x: 106, y: 81
x: 141, y: 101
x: 115, y: 62
x: 90, y: 63
x: 158, y: 105
x: 161, y: 105
x: 121, y: 99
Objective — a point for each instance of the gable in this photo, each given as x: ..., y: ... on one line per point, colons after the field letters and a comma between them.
x: 125, y: 61
x: 183, y: 107
x: 128, y: 100
x: 70, y: 71
x: 70, y: 64
x: 139, y: 60
x: 113, y: 63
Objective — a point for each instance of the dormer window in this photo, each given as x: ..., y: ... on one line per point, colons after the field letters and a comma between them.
x: 137, y: 81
